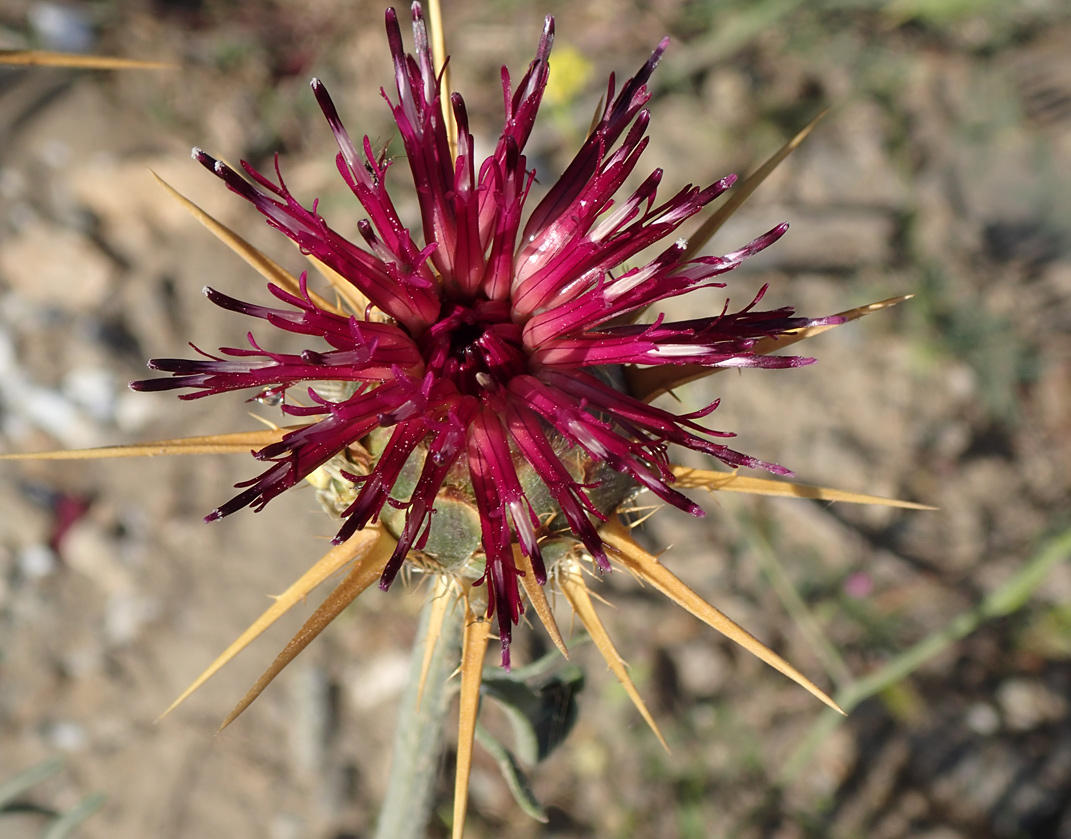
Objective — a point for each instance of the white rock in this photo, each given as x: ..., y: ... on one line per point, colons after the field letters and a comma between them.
x: 36, y: 561
x: 67, y: 736
x: 378, y: 680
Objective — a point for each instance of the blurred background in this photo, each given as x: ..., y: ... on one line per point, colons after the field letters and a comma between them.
x: 942, y: 170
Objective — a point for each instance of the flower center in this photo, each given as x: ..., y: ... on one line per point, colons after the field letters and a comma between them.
x: 475, y: 345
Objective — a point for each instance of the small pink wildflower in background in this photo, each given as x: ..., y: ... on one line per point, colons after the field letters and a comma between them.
x: 859, y: 585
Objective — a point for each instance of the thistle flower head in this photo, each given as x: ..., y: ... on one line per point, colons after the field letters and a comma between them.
x: 476, y: 401
x: 484, y: 357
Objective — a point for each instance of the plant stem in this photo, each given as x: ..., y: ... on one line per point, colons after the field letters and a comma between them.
x: 1009, y: 598
x: 771, y: 565
x: 418, y: 736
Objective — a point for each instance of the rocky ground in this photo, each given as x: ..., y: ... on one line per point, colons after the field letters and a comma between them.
x: 941, y: 170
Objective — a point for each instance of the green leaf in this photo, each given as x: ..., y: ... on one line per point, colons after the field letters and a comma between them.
x: 66, y: 824
x: 13, y: 788
x: 541, y: 715
x: 516, y: 780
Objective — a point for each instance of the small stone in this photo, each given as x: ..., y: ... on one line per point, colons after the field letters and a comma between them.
x: 61, y: 26
x: 94, y: 390
x: 127, y: 614
x: 1027, y: 704
x: 66, y: 736
x: 702, y: 668
x: 378, y: 680
x: 982, y: 718
x: 37, y: 561
x: 133, y: 412
x: 90, y: 550
x: 287, y: 826
x: 83, y: 661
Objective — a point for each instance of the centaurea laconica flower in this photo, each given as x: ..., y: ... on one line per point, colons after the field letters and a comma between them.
x: 492, y: 348
x: 477, y: 400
